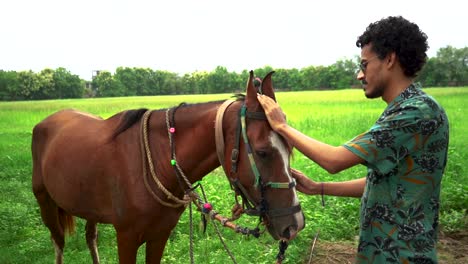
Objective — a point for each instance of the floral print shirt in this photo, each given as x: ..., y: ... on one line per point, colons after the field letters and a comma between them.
x: 405, y: 152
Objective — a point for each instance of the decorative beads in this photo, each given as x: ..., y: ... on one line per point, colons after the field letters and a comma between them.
x: 173, y: 162
x: 172, y: 130
x: 207, y: 207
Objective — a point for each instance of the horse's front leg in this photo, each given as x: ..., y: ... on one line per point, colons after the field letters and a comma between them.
x: 155, y: 248
x: 128, y: 244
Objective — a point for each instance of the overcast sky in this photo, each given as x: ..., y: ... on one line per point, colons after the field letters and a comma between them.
x: 184, y: 36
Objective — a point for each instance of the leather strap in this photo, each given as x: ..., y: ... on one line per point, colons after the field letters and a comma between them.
x: 219, y: 137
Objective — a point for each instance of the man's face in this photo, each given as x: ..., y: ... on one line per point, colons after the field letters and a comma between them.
x: 370, y: 73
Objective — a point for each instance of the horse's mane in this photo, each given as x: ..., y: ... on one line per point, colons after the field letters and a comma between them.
x: 130, y: 117
x: 239, y: 97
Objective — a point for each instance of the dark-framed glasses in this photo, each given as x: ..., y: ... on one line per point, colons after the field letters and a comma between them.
x: 363, y: 64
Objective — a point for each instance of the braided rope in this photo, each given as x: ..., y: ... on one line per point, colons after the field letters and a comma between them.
x: 174, y: 157
x: 220, y: 236
x: 144, y: 143
x: 192, y: 259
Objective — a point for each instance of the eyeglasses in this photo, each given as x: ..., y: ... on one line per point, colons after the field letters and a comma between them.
x: 363, y: 64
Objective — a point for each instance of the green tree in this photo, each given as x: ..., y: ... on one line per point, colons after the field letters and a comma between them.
x: 189, y: 84
x: 106, y: 86
x: 67, y: 85
x: 28, y: 84
x: 9, y: 86
x: 262, y: 72
x: 315, y: 77
x: 46, y: 85
x: 280, y: 79
x: 345, y: 74
x: 457, y: 60
x: 431, y: 75
x: 144, y: 81
x: 201, y: 82
x: 168, y: 82
x: 126, y: 76
x: 294, y: 80
x: 220, y: 80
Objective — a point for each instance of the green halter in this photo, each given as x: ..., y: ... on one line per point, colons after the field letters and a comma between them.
x: 277, y: 185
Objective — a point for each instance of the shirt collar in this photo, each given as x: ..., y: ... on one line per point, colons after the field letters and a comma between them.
x: 414, y: 89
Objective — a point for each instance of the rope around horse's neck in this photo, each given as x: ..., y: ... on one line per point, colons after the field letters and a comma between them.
x: 195, y: 197
x: 146, y: 156
x: 174, y: 157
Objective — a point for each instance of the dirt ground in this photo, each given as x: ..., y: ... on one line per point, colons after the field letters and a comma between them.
x: 452, y: 249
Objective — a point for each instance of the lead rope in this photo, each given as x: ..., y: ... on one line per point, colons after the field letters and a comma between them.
x: 283, y: 245
x: 191, y: 235
x: 218, y: 232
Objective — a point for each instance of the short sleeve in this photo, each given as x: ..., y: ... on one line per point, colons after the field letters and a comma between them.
x: 390, y: 140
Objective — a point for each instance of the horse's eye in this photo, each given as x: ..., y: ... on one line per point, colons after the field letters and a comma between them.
x: 261, y: 153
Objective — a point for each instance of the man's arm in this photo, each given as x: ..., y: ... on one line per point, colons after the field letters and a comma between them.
x: 352, y: 188
x: 333, y: 159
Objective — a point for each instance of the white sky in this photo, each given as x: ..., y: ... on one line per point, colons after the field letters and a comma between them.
x: 184, y: 36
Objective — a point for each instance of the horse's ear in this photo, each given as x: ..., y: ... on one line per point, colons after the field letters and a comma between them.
x: 251, y: 98
x: 267, y: 86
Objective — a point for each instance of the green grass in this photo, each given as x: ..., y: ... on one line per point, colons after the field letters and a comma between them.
x: 330, y: 116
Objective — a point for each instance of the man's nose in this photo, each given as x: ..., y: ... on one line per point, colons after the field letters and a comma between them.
x: 360, y: 75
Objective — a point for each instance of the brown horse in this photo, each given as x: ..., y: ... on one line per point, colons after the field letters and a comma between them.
x: 96, y: 169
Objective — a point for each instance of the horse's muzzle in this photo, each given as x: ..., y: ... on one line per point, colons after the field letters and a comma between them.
x: 286, y: 228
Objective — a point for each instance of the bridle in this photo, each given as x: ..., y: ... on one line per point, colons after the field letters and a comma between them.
x: 250, y: 206
x: 260, y: 209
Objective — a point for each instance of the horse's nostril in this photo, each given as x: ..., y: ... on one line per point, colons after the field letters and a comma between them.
x: 286, y: 233
x: 290, y: 232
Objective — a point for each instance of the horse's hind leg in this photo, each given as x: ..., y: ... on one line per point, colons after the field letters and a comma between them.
x: 55, y: 218
x: 50, y: 217
x: 91, y: 237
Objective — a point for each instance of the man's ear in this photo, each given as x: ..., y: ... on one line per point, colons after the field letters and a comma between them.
x: 391, y: 60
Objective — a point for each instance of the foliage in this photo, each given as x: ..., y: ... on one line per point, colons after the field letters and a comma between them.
x: 322, y: 115
x: 48, y: 84
x: 448, y: 68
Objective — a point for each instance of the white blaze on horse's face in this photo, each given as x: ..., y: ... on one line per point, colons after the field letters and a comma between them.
x: 278, y: 144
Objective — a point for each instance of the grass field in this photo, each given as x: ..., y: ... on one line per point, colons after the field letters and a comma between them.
x: 330, y: 116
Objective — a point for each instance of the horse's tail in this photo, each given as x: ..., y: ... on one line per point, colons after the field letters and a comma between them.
x: 67, y: 221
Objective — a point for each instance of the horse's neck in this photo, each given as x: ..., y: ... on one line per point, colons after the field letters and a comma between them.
x: 194, y: 140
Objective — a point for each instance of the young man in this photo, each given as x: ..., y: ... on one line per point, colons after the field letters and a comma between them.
x: 405, y: 151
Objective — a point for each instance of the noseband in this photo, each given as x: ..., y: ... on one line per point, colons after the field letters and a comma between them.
x: 250, y: 206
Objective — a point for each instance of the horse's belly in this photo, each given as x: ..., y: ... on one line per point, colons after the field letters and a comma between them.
x: 78, y: 187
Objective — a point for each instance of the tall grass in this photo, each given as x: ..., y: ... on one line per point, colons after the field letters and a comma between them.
x: 330, y: 116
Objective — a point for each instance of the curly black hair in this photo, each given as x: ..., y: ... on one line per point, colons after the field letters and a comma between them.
x: 396, y: 34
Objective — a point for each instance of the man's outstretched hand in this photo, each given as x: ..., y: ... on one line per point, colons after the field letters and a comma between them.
x: 304, y: 184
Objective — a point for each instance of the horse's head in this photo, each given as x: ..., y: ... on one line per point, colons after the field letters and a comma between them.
x: 257, y: 163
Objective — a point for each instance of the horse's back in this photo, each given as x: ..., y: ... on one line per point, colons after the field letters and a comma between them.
x: 65, y: 123
x: 52, y: 124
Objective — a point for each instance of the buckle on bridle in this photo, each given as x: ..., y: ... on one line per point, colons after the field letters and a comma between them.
x: 234, y: 158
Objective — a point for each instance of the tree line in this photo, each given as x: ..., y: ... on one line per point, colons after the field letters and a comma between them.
x: 448, y: 68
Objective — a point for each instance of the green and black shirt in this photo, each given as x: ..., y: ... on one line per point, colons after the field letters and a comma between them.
x: 405, y: 153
